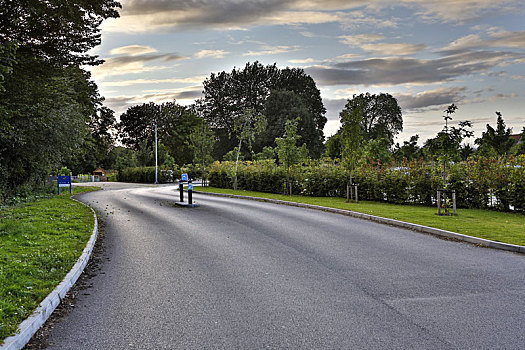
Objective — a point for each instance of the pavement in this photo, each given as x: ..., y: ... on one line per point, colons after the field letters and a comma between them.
x: 237, y: 274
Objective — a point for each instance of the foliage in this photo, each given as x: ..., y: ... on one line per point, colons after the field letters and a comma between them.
x: 147, y: 175
x: 351, y: 139
x: 381, y: 115
x: 174, y: 126
x: 289, y: 153
x: 227, y: 95
x: 58, y: 31
x: 202, y: 141
x: 283, y: 105
x: 495, y: 142
x: 496, y: 183
x: 409, y: 151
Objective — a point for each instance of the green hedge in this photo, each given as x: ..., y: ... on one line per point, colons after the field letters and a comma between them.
x: 147, y: 174
x: 479, y: 182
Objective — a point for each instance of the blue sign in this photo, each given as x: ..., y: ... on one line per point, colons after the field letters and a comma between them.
x: 184, y: 177
x: 64, y: 181
x: 190, y: 187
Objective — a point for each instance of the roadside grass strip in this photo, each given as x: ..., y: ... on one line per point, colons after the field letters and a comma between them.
x: 40, y: 241
x: 487, y: 224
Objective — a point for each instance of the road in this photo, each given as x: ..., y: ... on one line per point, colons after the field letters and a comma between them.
x: 238, y: 274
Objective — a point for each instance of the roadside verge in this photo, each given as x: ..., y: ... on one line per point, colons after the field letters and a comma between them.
x: 31, y: 324
x: 419, y: 228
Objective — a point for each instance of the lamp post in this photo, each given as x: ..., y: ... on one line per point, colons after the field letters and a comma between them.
x: 156, y: 157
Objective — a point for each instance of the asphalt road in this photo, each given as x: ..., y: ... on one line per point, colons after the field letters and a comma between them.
x: 237, y: 274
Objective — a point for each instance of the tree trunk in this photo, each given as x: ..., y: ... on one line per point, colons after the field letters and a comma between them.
x: 236, y: 165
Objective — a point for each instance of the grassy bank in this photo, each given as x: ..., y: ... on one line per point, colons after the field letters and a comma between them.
x: 40, y: 241
x: 497, y: 226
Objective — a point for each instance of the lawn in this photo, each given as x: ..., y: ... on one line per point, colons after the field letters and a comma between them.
x: 496, y: 226
x: 40, y: 241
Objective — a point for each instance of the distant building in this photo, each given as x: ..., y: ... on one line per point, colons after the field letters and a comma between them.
x: 101, y: 173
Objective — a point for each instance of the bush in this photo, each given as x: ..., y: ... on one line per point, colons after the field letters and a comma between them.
x: 496, y: 183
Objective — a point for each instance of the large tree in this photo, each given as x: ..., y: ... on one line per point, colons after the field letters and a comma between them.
x: 283, y: 105
x: 46, y: 99
x: 227, y: 95
x: 56, y: 30
x: 174, y: 126
x: 381, y: 115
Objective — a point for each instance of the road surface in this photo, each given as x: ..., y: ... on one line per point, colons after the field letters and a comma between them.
x: 238, y: 274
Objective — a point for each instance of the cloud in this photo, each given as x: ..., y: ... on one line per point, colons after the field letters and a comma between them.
x: 162, y: 15
x: 183, y: 96
x: 401, y: 70
x: 132, y: 64
x: 132, y: 50
x: 298, y: 61
x: 364, y: 42
x: 497, y: 40
x: 211, y: 53
x: 431, y: 98
x: 272, y: 50
x: 191, y: 80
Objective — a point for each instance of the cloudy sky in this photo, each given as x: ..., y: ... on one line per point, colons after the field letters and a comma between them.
x: 426, y: 53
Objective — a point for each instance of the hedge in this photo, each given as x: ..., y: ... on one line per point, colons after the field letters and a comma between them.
x: 497, y: 183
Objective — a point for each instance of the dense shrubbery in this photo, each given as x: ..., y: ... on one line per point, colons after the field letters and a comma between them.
x: 479, y: 182
x: 147, y: 174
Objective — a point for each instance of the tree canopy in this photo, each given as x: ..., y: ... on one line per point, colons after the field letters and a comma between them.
x: 381, y: 115
x: 226, y: 95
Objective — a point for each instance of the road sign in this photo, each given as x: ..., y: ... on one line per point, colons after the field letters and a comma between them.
x: 184, y: 177
x: 64, y: 181
x: 190, y: 187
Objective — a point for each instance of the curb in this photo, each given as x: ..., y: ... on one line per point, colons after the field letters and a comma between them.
x: 30, y: 325
x: 415, y: 227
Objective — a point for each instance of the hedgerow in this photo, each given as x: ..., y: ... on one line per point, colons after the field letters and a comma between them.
x: 497, y: 183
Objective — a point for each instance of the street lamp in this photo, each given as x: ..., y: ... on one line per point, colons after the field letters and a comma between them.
x: 156, y: 157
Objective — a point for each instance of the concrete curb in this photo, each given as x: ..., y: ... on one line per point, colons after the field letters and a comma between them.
x: 30, y: 325
x: 419, y: 228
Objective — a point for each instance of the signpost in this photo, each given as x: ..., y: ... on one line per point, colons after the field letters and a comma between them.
x: 64, y: 181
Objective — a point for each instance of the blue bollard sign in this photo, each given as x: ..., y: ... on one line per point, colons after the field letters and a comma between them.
x: 190, y: 187
x: 64, y: 181
x: 184, y: 177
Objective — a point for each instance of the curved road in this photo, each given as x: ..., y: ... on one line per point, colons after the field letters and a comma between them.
x: 237, y: 274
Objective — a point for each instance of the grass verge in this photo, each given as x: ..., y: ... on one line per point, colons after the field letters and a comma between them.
x: 496, y: 226
x: 40, y: 241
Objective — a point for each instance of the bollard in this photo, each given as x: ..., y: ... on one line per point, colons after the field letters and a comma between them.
x: 190, y: 191
x: 181, y: 190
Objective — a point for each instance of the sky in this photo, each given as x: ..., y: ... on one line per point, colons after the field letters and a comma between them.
x: 426, y: 53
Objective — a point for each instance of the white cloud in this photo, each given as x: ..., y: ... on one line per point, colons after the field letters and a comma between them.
x: 211, y: 53
x: 299, y: 61
x: 502, y: 39
x: 132, y: 50
x: 191, y: 80
x: 271, y: 50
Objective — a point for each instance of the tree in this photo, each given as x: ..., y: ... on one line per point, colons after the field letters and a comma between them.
x: 446, y: 146
x: 381, y: 115
x: 288, y: 151
x: 333, y: 146
x: 55, y: 30
x: 283, y: 105
x: 409, y: 151
x: 202, y: 141
x: 495, y: 142
x: 247, y: 127
x: 45, y: 113
x: 227, y: 95
x: 351, y: 142
x: 174, y: 123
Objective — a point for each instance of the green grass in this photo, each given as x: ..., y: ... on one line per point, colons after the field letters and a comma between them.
x: 496, y: 226
x: 40, y: 241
